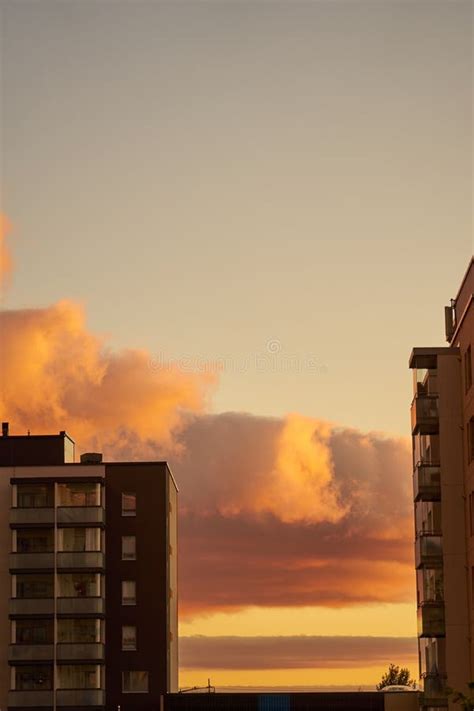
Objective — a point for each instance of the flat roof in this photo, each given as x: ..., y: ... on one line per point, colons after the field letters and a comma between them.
x: 37, y: 436
x: 92, y: 465
x: 426, y: 357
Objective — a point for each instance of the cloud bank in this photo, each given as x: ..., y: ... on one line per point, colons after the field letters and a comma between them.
x: 302, y: 652
x: 239, y: 548
x: 274, y: 511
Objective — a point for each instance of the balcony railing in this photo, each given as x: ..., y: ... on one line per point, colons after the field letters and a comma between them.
x: 80, y: 697
x: 80, y: 560
x: 74, y: 652
x: 84, y: 652
x: 32, y: 697
x: 31, y: 561
x: 431, y: 621
x: 30, y: 516
x: 428, y: 550
x: 430, y: 593
x: 80, y: 605
x: 64, y: 697
x: 424, y: 414
x: 30, y: 652
x: 31, y: 606
x: 81, y: 514
x: 427, y: 482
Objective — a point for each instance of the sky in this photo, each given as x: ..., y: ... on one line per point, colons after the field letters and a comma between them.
x: 230, y: 222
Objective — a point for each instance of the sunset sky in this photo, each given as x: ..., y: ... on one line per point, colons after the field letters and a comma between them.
x: 229, y: 223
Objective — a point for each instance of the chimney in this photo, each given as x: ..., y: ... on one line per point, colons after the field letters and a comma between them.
x: 91, y: 458
x: 5, y: 426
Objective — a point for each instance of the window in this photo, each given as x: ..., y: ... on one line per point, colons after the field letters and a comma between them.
x: 129, y: 504
x: 31, y: 540
x: 129, y: 637
x: 79, y: 494
x: 39, y: 631
x: 34, y: 585
x: 78, y: 631
x: 79, y: 539
x: 128, y: 548
x: 34, y: 678
x: 470, y: 439
x: 78, y: 676
x: 467, y: 369
x: 129, y: 592
x: 78, y: 585
x: 35, y: 496
x: 135, y: 682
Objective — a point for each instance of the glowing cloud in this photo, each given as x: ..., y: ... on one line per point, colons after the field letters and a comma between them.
x: 56, y: 375
x: 262, y: 523
x: 274, y: 511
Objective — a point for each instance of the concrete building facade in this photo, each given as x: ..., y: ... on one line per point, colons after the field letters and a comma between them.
x: 442, y: 424
x: 88, y: 583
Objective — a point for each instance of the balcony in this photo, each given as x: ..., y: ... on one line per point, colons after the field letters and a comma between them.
x: 428, y: 550
x: 30, y: 652
x: 80, y: 605
x: 424, y: 414
x: 31, y: 561
x: 431, y: 620
x: 435, y: 690
x: 81, y: 652
x: 80, y: 697
x: 427, y: 482
x: 31, y: 606
x: 31, y: 516
x: 81, y: 514
x: 32, y: 697
x: 80, y: 560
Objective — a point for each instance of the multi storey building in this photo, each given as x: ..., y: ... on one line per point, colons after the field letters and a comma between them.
x: 442, y: 423
x: 88, y: 583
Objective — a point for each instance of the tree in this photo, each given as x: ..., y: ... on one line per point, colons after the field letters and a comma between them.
x: 466, y: 702
x: 396, y: 677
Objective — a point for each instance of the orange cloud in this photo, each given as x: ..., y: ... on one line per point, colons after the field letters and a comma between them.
x: 56, y: 375
x: 286, y: 471
x: 274, y: 512
x: 250, y: 538
x: 5, y: 257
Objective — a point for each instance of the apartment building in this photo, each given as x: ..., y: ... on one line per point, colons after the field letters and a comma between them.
x: 88, y: 578
x: 442, y: 424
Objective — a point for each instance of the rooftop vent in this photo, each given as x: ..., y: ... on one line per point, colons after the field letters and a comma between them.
x: 5, y: 427
x: 91, y: 458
